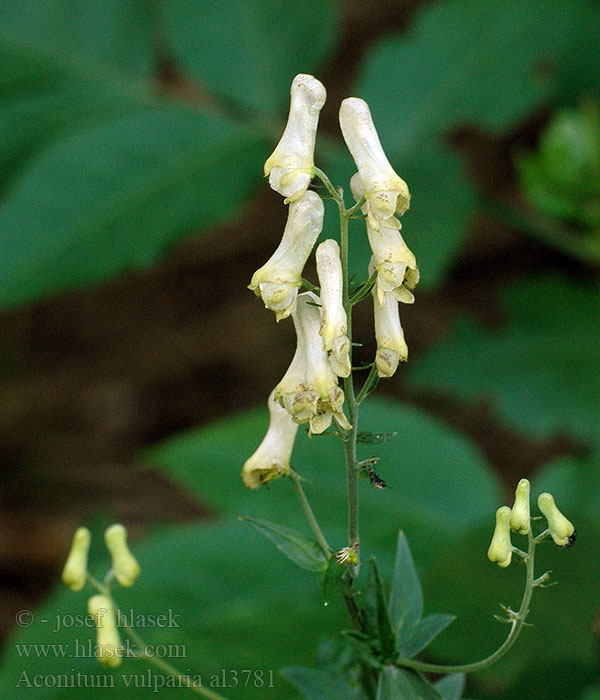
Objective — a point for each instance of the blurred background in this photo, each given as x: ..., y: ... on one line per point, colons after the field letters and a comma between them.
x: 133, y: 214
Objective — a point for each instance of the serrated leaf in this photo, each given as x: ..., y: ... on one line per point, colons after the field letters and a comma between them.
x: 541, y: 370
x: 423, y: 633
x: 331, y: 578
x: 318, y: 684
x: 114, y: 196
x: 240, y: 57
x: 406, y: 597
x: 300, y: 549
x: 412, y: 81
x: 374, y: 438
x: 451, y: 687
x: 377, y: 611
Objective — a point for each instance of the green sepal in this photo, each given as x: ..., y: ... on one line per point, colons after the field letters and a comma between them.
x: 302, y: 550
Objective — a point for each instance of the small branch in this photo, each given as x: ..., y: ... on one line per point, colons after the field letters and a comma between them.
x: 312, y: 521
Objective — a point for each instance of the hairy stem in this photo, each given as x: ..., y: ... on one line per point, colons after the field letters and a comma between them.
x: 516, y: 625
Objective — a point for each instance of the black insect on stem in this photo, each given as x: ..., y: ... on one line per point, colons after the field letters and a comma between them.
x: 377, y: 481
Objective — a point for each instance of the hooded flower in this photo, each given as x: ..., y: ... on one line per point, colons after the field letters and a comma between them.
x: 385, y: 191
x: 290, y: 165
x: 397, y: 271
x: 278, y: 280
x: 108, y: 648
x: 124, y: 564
x: 500, y: 549
x: 75, y: 571
x: 334, y: 325
x: 520, y: 514
x: 391, y: 346
x: 272, y: 457
x: 561, y: 529
x: 309, y: 390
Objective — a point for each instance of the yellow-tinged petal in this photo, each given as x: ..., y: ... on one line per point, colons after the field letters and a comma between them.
x: 75, y: 571
x: 561, y: 529
x: 500, y: 550
x: 124, y: 564
x: 108, y: 648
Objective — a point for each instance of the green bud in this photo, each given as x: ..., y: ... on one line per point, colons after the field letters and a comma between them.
x: 500, y: 550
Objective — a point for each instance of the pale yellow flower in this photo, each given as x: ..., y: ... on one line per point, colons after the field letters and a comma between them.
x: 290, y: 166
x: 75, y: 571
x: 108, y: 648
x: 279, y: 279
x: 520, y: 514
x: 309, y: 390
x: 272, y: 457
x: 391, y: 346
x: 385, y: 191
x: 334, y: 325
x: 561, y: 529
x: 124, y: 565
x: 500, y: 550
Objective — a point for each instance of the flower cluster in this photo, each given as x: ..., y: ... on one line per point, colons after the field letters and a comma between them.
x: 124, y: 568
x: 309, y: 392
x: 518, y: 519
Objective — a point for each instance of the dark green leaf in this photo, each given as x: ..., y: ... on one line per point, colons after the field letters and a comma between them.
x: 374, y: 438
x: 422, y: 634
x: 114, y: 196
x: 300, y: 549
x: 406, y: 598
x: 452, y: 686
x: 377, y: 611
x: 331, y: 578
x: 411, y: 83
x: 318, y: 684
x: 393, y: 685
x: 541, y: 370
x: 248, y: 51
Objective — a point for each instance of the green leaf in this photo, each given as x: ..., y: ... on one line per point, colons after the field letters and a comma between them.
x: 113, y: 197
x: 422, y: 634
x: 446, y: 486
x: 434, y: 78
x: 298, y: 548
x: 376, y: 612
x: 111, y: 32
x: 541, y: 371
x: 331, y: 578
x: 318, y: 684
x: 250, y: 50
x: 374, y: 438
x: 229, y: 605
x: 404, y: 684
x: 406, y: 597
x: 452, y: 686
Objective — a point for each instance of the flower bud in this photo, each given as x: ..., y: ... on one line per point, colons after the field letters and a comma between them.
x: 561, y: 529
x: 124, y: 564
x: 108, y: 649
x: 290, y: 165
x: 385, y: 191
x: 500, y: 550
x: 75, y: 571
x: 272, y: 457
x: 520, y: 517
x: 397, y: 271
x: 309, y: 390
x: 391, y: 346
x: 278, y: 280
x: 334, y: 325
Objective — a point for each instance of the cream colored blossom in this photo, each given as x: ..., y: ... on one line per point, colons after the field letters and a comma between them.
x: 334, y: 325
x: 309, y: 390
x: 75, y: 571
x: 279, y: 279
x: 397, y: 271
x: 385, y: 191
x: 124, y: 565
x: 272, y: 457
x: 290, y: 166
x: 391, y: 346
x: 520, y: 514
x: 561, y: 529
x: 108, y: 648
x: 500, y: 550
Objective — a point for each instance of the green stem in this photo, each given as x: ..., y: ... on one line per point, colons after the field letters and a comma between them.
x: 312, y: 521
x: 162, y: 665
x: 517, y: 622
